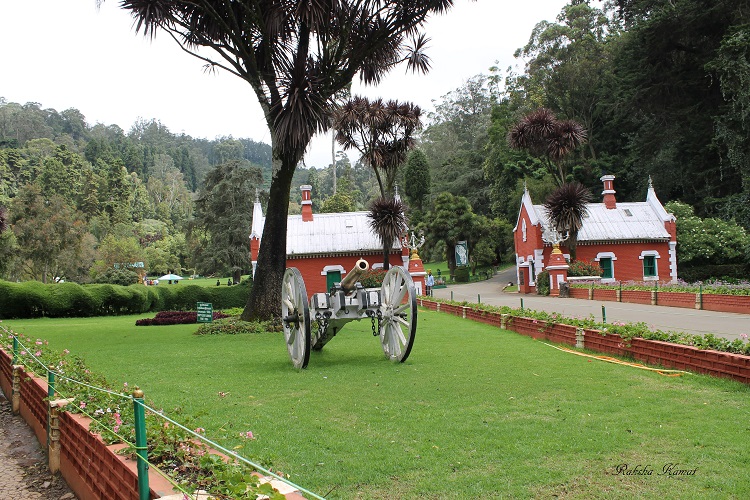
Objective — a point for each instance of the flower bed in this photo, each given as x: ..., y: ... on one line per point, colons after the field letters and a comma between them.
x: 175, y: 318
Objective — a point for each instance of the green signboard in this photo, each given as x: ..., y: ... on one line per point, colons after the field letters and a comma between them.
x: 205, y: 312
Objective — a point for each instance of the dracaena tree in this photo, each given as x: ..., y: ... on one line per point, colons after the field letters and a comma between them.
x: 566, y: 208
x: 544, y: 136
x: 296, y: 56
x: 383, y: 133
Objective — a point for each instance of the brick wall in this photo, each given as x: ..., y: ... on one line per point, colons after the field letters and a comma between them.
x: 311, y: 267
x: 711, y: 302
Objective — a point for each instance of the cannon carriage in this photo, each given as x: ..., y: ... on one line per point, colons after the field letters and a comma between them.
x: 391, y: 310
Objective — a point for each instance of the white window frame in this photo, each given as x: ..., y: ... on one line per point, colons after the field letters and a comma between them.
x: 656, y: 256
x: 328, y: 269
x: 613, y: 258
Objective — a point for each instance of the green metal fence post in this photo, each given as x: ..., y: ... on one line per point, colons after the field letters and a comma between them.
x: 522, y: 303
x: 604, y: 314
x: 15, y: 350
x: 479, y: 299
x: 451, y: 295
x: 141, y: 448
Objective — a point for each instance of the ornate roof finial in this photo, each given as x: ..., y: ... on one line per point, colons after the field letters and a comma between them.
x: 525, y: 187
x: 650, y: 182
x: 257, y: 198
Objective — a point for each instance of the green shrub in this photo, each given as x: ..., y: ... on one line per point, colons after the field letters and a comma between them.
x: 373, y: 278
x: 234, y: 326
x: 462, y: 274
x: 542, y: 283
x: 33, y: 299
x: 713, y: 272
x: 122, y: 277
x: 584, y: 268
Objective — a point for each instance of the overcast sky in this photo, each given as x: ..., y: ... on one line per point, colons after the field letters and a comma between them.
x: 67, y: 54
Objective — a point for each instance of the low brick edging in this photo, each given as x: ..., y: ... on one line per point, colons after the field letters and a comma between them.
x: 706, y: 301
x: 92, y: 469
x: 665, y: 354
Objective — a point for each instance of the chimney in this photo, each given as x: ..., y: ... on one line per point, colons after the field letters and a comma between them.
x: 609, y: 191
x: 307, y: 215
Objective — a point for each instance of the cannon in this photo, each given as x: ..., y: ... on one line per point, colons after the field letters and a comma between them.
x: 391, y: 309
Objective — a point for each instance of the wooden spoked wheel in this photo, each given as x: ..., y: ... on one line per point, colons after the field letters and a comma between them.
x: 398, y: 323
x: 295, y: 316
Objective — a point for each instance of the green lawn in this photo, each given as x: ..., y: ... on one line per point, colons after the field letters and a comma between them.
x: 474, y: 413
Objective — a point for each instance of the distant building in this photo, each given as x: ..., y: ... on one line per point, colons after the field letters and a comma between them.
x: 631, y: 241
x: 324, y: 247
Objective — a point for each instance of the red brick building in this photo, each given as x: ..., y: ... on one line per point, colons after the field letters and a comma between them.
x: 631, y: 241
x: 325, y: 247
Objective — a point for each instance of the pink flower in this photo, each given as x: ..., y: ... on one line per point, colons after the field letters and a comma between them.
x: 223, y: 394
x: 66, y: 351
x: 23, y: 353
x: 743, y: 336
x: 38, y: 353
x: 116, y: 428
x: 247, y: 435
x: 200, y: 430
x: 82, y: 405
x: 39, y: 342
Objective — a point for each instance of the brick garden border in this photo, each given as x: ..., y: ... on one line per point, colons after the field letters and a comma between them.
x: 92, y: 469
x: 665, y: 354
x: 706, y: 301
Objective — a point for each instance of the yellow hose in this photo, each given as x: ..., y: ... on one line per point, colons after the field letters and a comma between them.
x: 608, y: 359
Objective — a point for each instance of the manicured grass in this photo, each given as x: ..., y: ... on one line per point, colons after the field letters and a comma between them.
x: 202, y: 281
x: 474, y: 413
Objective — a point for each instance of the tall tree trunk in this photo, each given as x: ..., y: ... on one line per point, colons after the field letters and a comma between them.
x: 386, y: 257
x: 264, y: 302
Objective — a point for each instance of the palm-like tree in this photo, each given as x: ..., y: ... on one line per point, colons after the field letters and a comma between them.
x: 544, y: 136
x: 295, y: 56
x: 388, y: 220
x: 382, y: 132
x: 566, y: 208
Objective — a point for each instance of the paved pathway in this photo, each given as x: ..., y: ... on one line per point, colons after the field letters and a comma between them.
x: 729, y: 325
x: 23, y: 471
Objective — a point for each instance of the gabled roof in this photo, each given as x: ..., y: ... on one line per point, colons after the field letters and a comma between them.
x: 526, y: 202
x: 628, y: 221
x: 326, y: 233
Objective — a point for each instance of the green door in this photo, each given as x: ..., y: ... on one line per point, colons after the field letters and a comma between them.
x: 331, y: 278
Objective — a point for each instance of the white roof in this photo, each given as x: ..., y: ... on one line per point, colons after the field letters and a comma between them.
x: 344, y: 232
x: 628, y: 221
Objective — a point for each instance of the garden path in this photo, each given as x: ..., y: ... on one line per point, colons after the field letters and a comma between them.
x: 728, y: 325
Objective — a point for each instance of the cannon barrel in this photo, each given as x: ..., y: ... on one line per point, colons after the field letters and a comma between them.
x: 360, y: 268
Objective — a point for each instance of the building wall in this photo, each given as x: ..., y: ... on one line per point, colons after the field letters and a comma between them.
x: 312, y: 267
x: 627, y: 267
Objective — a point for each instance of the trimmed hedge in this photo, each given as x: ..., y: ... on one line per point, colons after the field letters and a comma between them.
x: 33, y: 299
x: 714, y: 272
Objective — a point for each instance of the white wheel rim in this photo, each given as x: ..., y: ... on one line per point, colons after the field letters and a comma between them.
x: 294, y: 300
x: 398, y: 324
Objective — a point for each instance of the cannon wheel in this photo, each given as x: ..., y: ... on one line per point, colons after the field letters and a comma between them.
x: 399, y: 314
x: 295, y: 315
